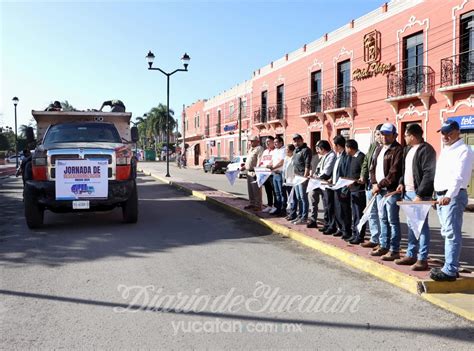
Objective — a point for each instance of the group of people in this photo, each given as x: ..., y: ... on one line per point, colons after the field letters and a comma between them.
x: 388, y: 173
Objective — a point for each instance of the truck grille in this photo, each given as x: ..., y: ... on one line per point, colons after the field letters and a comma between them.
x: 76, y: 154
x: 76, y: 157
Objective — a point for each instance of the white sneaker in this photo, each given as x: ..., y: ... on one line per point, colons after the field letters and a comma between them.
x: 273, y: 210
x: 267, y: 209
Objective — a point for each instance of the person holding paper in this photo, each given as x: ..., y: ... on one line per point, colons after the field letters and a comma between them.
x: 288, y: 177
x: 374, y: 224
x: 357, y: 192
x: 265, y: 161
x: 253, y: 158
x: 324, y: 172
x: 342, y: 200
x: 385, y: 174
x: 276, y: 166
x: 314, y: 194
x: 416, y: 183
x: 453, y: 173
x: 302, y: 166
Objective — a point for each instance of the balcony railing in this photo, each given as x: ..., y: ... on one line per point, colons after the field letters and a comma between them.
x: 260, y: 115
x: 457, y: 69
x: 413, y: 80
x: 206, y: 131
x: 218, y: 128
x: 276, y: 112
x: 340, y: 98
x: 311, y: 104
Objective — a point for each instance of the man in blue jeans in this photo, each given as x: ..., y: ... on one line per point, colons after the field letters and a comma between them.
x: 276, y: 166
x: 374, y: 224
x: 385, y: 174
x: 453, y: 173
x: 302, y: 165
x: 416, y: 183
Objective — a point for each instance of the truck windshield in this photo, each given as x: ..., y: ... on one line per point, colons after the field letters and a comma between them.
x: 82, y: 132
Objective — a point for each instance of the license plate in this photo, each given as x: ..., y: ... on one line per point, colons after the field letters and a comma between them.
x: 80, y: 205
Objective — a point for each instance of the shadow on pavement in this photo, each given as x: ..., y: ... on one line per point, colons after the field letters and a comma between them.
x: 168, y: 219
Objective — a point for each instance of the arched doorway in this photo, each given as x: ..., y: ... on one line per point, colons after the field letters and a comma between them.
x: 197, y: 153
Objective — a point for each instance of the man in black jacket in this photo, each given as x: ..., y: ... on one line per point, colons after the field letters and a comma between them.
x: 385, y: 173
x: 416, y: 182
x: 342, y: 199
x: 302, y: 164
x: 357, y: 191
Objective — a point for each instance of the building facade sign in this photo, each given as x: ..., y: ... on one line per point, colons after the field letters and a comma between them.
x: 372, y: 56
x: 465, y: 122
x: 230, y: 127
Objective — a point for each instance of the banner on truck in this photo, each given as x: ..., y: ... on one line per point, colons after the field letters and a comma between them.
x: 81, y: 179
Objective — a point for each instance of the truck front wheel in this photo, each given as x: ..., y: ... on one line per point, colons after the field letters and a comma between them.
x: 130, y: 207
x: 34, y: 213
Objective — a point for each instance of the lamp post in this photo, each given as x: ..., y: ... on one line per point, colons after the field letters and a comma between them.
x: 15, y: 102
x: 185, y: 59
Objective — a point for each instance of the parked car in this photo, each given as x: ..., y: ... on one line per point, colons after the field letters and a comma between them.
x: 12, y: 159
x: 241, y: 161
x: 216, y: 164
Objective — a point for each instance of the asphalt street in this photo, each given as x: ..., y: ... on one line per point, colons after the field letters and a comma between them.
x: 189, y: 275
x: 220, y: 182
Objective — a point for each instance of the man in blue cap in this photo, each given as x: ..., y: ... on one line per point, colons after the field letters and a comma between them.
x: 453, y: 173
x: 385, y: 173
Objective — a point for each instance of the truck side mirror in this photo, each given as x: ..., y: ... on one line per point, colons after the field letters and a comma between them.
x: 134, y: 133
x: 30, y: 135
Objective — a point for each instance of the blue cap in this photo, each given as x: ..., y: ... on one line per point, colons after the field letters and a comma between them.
x: 448, y: 126
x: 388, y: 128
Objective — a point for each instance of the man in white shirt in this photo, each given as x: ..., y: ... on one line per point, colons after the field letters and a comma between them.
x: 276, y: 166
x: 453, y: 173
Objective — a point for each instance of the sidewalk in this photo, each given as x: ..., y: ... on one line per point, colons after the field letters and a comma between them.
x: 7, y: 170
x: 456, y: 296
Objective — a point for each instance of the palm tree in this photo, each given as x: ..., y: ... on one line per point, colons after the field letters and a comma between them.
x: 157, y: 122
x: 23, y: 129
x: 66, y: 106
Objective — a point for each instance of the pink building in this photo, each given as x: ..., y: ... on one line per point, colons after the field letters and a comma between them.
x: 407, y: 61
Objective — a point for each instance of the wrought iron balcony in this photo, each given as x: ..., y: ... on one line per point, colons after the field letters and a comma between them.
x: 206, y: 131
x: 260, y: 116
x: 408, y: 81
x: 340, y: 98
x: 457, y: 69
x: 277, y: 113
x: 311, y: 104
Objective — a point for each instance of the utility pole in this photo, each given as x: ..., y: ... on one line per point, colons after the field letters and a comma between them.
x: 240, y: 126
x: 184, y: 132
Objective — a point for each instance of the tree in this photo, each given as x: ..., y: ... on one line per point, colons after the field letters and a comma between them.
x: 22, y: 130
x: 66, y: 106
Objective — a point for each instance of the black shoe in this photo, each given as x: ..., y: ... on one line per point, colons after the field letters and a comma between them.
x: 337, y: 234
x: 438, y: 269
x: 330, y: 231
x: 440, y: 276
x: 346, y: 237
x: 311, y: 224
x: 356, y: 241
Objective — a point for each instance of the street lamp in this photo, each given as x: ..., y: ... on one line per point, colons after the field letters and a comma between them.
x: 185, y: 59
x: 15, y: 102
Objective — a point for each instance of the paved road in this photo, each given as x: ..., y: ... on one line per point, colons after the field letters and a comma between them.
x: 81, y: 283
x: 219, y: 181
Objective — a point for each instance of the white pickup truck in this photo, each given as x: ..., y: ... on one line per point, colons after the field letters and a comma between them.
x: 83, y: 162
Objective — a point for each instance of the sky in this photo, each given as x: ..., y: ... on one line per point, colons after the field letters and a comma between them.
x: 88, y: 52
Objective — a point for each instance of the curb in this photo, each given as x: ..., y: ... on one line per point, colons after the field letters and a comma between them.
x: 428, y: 290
